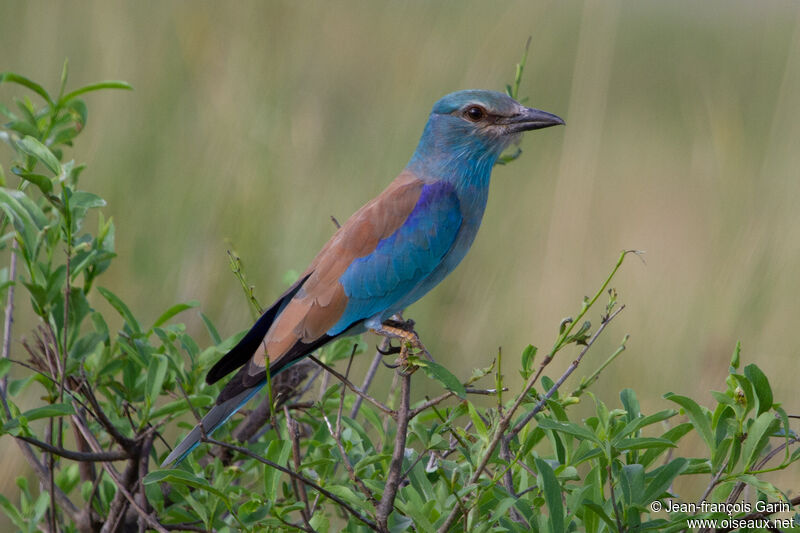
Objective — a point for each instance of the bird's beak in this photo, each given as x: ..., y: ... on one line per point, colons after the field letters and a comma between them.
x: 532, y: 119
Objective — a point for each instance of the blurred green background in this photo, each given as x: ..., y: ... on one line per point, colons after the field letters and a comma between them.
x: 252, y: 122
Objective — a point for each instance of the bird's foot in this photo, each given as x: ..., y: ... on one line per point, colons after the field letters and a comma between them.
x: 404, y: 331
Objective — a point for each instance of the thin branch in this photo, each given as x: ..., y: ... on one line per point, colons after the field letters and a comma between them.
x: 373, y: 368
x: 299, y: 488
x: 614, y: 499
x: 8, y: 320
x: 445, y: 395
x: 111, y: 429
x: 77, y: 456
x: 299, y: 477
x: 396, y: 464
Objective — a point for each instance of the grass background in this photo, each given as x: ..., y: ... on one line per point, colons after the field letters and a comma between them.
x: 251, y: 123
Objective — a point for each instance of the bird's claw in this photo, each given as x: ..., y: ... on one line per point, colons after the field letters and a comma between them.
x: 392, y: 350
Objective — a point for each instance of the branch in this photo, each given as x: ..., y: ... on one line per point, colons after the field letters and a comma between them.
x: 395, y: 474
x: 299, y: 488
x: 442, y: 397
x: 86, y: 457
x: 9, y: 312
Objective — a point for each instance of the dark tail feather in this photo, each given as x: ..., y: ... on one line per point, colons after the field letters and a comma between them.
x: 242, y: 352
x: 217, y: 416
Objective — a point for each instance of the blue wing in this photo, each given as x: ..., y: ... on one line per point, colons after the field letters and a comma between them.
x: 376, y: 282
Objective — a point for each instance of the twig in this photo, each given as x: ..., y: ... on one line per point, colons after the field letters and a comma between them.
x: 299, y: 477
x: 393, y: 479
x: 713, y: 483
x: 373, y: 368
x: 353, y: 388
x: 539, y: 406
x: 111, y: 429
x: 614, y: 499
x: 8, y: 320
x: 76, y: 456
x: 445, y: 395
x: 299, y: 488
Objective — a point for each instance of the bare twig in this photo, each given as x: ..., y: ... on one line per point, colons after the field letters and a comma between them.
x: 8, y: 320
x: 76, y: 456
x: 373, y: 368
x: 445, y: 395
x: 299, y: 488
x: 395, y: 466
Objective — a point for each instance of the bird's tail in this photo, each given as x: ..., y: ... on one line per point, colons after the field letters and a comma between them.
x: 217, y: 416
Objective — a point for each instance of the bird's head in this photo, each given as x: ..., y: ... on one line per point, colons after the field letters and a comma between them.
x: 469, y: 129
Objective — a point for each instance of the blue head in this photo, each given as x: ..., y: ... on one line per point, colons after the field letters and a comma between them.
x: 467, y: 131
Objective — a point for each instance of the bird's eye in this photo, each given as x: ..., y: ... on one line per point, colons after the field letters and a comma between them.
x: 475, y: 113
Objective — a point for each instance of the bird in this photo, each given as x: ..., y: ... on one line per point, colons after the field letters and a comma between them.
x: 387, y: 255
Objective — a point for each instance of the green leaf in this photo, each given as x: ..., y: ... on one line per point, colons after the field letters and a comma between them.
x: 5, y: 366
x: 47, y: 411
x: 600, y: 512
x: 758, y: 437
x: 696, y: 415
x: 761, y: 386
x: 212, y: 331
x: 25, y: 82
x: 33, y: 147
x: 179, y: 406
x: 477, y: 421
x: 552, y: 495
x: 441, y: 374
x: 44, y: 183
x: 640, y: 443
x: 631, y: 403
x: 766, y: 487
x: 111, y: 84
x: 156, y: 372
x: 663, y: 479
x: 643, y: 421
x: 86, y: 200
x: 528, y: 356
x: 277, y: 452
x: 570, y: 428
x: 13, y: 513
x: 174, y: 310
x: 121, y: 308
x: 182, y: 477
x: 736, y: 355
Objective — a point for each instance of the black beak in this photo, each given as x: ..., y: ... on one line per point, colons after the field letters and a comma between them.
x: 533, y: 119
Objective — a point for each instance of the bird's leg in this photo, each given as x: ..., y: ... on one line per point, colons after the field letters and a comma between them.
x: 395, y: 329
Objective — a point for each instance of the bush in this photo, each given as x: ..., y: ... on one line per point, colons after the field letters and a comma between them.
x: 347, y: 461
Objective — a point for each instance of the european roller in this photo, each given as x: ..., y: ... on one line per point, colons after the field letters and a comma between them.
x: 388, y: 255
